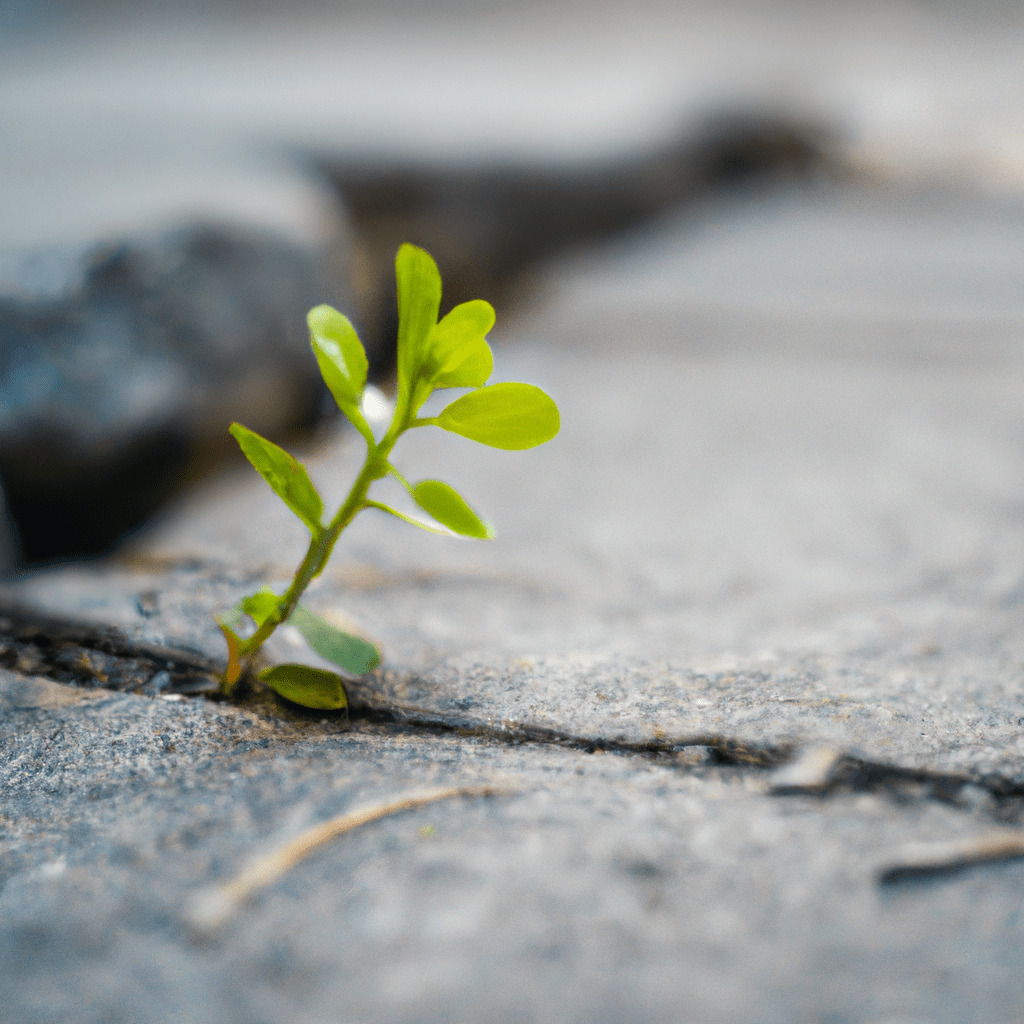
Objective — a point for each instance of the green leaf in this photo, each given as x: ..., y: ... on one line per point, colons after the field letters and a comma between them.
x: 419, y: 300
x: 447, y: 506
x: 261, y: 605
x: 336, y: 343
x: 408, y: 519
x: 472, y: 372
x: 342, y: 360
x: 287, y: 476
x: 352, y: 653
x: 457, y: 356
x: 310, y: 687
x: 510, y: 416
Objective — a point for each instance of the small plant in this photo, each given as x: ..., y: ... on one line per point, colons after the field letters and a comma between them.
x: 432, y: 354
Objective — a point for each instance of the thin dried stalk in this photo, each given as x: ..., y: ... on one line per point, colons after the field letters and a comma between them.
x: 922, y: 859
x: 211, y: 908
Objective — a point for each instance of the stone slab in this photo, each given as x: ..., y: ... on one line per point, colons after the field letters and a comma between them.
x: 765, y: 526
x: 735, y: 534
x: 606, y: 887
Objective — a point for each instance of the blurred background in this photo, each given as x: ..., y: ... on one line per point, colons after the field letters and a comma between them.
x: 181, y: 181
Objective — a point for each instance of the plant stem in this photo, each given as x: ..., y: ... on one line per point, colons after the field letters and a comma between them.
x: 322, y: 544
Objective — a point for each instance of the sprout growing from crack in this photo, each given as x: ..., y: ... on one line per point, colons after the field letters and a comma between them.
x: 432, y: 355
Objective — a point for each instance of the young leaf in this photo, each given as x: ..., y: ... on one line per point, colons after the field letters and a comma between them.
x: 419, y: 299
x: 310, y: 687
x: 447, y: 506
x: 510, y: 416
x: 261, y: 605
x: 472, y: 372
x: 335, y: 341
x: 287, y: 476
x: 342, y: 360
x: 352, y: 653
x: 457, y: 355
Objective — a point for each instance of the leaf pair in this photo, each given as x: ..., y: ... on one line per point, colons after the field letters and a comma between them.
x: 454, y: 353
x: 303, y: 684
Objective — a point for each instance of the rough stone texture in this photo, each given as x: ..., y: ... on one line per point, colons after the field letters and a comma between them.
x: 788, y: 486
x: 784, y: 511
x: 608, y: 888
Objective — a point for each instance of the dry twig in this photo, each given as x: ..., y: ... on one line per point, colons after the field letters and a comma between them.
x: 211, y: 908
x: 920, y: 860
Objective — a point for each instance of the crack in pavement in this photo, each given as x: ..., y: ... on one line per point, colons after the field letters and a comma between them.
x: 94, y: 657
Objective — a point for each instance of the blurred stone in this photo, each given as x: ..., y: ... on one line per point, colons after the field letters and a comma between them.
x: 155, y: 271
x: 116, y: 391
x: 154, y: 280
x: 488, y: 224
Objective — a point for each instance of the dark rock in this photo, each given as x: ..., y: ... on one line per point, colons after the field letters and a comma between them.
x: 487, y: 224
x: 121, y: 386
x: 9, y: 546
x: 122, y: 364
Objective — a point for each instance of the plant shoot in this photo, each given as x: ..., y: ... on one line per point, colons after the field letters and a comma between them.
x: 432, y: 355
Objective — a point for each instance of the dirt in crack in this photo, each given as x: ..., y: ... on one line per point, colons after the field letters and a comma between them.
x: 95, y: 656
x: 102, y: 657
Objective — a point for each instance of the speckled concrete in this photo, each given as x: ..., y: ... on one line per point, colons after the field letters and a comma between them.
x: 784, y: 512
x: 607, y: 888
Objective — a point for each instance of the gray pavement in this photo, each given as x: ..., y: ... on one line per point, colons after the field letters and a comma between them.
x: 783, y: 518
x: 752, y: 625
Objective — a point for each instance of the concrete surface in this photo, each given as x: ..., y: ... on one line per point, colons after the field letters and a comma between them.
x: 751, y: 625
x: 783, y: 516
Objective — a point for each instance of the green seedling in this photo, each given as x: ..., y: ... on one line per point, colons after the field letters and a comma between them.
x: 432, y: 355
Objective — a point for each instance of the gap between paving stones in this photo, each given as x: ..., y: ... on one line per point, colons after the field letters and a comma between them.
x: 40, y: 649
